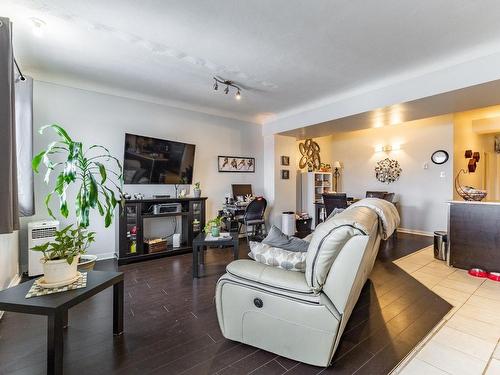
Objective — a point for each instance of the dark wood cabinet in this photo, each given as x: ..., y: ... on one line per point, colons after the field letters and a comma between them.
x: 139, y: 222
x: 474, y: 235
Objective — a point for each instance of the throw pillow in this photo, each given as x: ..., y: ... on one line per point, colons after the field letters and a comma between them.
x: 276, y: 238
x: 273, y: 256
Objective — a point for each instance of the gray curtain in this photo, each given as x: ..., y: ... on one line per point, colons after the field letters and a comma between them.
x: 9, y: 212
x: 24, y: 144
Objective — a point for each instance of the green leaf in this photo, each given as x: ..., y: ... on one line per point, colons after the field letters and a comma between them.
x: 41, y: 248
x: 47, y: 202
x: 35, y: 163
x: 100, y: 208
x: 85, y: 216
x: 102, y: 171
x: 59, y: 130
x: 63, y: 207
x: 107, y: 219
x: 59, y: 189
x: 69, y: 259
x: 93, y: 192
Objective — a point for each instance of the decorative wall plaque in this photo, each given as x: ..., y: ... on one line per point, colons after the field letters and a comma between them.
x: 388, y: 170
x: 310, y: 155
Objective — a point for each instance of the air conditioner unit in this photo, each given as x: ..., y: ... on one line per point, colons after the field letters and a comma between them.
x: 39, y: 232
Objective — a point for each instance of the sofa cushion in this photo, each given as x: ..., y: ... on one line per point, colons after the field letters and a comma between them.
x: 271, y: 276
x: 276, y: 257
x: 330, y: 237
x: 276, y: 238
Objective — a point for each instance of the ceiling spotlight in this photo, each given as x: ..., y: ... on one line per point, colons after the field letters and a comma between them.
x: 38, y: 27
x: 228, y: 84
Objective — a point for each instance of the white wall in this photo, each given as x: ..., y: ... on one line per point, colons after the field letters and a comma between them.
x: 466, y: 138
x: 104, y: 119
x: 280, y: 194
x: 422, y: 192
x: 9, y: 259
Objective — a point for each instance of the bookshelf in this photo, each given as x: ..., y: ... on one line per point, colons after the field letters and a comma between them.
x: 314, y: 184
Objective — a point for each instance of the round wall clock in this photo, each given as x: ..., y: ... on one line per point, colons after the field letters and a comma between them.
x: 440, y: 157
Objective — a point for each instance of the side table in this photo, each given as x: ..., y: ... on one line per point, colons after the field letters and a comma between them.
x: 202, y: 240
x: 55, y: 307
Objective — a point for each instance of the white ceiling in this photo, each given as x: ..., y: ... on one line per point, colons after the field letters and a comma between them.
x: 289, y: 53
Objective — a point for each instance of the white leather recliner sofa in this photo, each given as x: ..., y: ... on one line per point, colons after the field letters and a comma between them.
x: 302, y: 315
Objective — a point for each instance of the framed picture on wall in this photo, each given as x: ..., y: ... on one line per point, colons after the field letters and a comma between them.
x: 285, y: 174
x: 285, y: 160
x: 239, y: 164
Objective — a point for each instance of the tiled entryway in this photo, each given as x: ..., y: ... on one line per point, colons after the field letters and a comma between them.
x: 467, y: 339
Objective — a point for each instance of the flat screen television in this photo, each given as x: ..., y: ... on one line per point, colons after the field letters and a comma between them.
x: 150, y: 160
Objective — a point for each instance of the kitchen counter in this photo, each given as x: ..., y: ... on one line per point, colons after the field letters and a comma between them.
x: 476, y: 202
x: 474, y: 234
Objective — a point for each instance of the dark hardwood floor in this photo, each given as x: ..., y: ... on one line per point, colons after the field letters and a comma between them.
x: 171, y: 325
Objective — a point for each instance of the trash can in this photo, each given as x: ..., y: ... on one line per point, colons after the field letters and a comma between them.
x: 440, y: 245
x: 288, y: 223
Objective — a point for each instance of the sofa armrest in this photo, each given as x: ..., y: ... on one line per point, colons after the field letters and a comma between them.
x: 271, y: 276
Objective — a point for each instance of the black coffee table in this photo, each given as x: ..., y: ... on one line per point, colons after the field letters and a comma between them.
x: 201, y: 241
x: 56, y: 306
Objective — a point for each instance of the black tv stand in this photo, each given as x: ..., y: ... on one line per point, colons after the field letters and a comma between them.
x: 131, y: 241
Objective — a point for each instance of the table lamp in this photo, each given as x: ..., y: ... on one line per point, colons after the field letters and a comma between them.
x: 336, y: 174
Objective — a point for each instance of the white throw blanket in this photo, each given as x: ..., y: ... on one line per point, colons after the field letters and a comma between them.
x: 386, y: 212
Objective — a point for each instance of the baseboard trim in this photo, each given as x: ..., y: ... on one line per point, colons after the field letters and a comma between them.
x: 413, y: 231
x: 15, y: 281
x: 105, y: 256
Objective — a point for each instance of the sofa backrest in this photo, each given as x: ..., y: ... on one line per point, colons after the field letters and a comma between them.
x: 351, y: 269
x: 330, y: 237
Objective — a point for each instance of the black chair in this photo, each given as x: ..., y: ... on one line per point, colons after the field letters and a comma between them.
x: 333, y: 201
x: 381, y: 195
x: 254, y: 218
x: 376, y: 194
x: 390, y: 197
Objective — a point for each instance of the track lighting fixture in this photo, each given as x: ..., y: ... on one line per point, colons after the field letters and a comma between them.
x: 228, y: 84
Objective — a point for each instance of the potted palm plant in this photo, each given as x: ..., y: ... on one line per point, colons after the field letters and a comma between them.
x: 97, y: 178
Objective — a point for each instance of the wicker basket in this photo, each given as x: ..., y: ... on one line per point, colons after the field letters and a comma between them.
x: 469, y: 193
x: 155, y: 247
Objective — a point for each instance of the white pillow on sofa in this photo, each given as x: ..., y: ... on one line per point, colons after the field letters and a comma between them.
x: 276, y: 257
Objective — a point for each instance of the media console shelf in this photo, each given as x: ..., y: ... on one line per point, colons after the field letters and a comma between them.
x: 137, y: 221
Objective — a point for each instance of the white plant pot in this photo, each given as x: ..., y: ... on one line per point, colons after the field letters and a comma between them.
x: 197, y: 193
x: 58, y: 271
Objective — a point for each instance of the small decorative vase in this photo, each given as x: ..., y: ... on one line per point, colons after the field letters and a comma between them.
x: 215, y: 231
x: 197, y: 193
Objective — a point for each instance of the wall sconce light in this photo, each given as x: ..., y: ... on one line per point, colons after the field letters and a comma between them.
x: 387, y: 148
x: 38, y: 27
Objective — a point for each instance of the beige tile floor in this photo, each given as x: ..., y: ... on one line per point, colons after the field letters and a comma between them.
x: 467, y: 339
